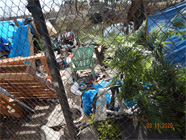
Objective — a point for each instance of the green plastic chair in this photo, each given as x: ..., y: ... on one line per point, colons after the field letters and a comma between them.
x: 83, y: 59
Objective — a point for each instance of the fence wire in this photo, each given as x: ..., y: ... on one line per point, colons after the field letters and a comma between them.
x: 92, y: 69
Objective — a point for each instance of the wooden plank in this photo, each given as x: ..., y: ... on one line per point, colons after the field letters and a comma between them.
x: 21, y: 96
x: 27, y: 88
x: 15, y: 21
x: 31, y: 48
x: 31, y: 92
x: 35, y: 95
x: 18, y: 81
x: 23, y: 87
x: 42, y: 97
x: 30, y: 84
x: 17, y: 76
x: 23, y: 84
x: 34, y: 90
x: 11, y: 62
x: 35, y: 30
x: 12, y: 68
x: 20, y: 60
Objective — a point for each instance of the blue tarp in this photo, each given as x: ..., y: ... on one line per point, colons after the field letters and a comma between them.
x: 177, y: 53
x: 88, y: 96
x: 20, y: 42
x: 7, y: 28
x: 17, y: 36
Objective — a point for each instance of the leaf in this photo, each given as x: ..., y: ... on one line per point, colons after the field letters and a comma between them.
x: 173, y: 128
x: 160, y: 97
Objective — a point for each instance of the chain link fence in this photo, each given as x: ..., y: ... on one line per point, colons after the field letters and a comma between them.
x: 92, y: 69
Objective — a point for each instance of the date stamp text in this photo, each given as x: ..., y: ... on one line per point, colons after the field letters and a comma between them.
x: 159, y: 125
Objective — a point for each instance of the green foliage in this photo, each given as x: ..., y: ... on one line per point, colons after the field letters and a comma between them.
x: 139, y: 61
x: 108, y: 130
x: 179, y: 20
x: 157, y: 89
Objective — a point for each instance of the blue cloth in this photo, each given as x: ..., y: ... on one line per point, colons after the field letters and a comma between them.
x: 88, y: 96
x: 6, y: 30
x: 20, y: 43
x: 177, y: 54
x: 2, y: 46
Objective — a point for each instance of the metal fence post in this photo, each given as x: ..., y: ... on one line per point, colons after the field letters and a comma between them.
x: 34, y: 7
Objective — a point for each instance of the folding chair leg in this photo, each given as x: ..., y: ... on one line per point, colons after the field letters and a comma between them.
x: 75, y: 75
x: 93, y: 74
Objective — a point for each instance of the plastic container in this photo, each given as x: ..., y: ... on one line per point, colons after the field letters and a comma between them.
x: 74, y: 89
x: 101, y: 105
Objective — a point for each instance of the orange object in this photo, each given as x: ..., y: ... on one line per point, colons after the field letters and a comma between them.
x: 71, y: 55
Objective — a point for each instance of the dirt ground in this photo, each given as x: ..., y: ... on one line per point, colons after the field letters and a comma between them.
x: 28, y: 126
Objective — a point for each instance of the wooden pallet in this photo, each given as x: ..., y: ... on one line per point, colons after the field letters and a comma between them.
x: 22, y: 82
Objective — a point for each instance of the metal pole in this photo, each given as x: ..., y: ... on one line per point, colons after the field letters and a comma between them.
x: 34, y: 7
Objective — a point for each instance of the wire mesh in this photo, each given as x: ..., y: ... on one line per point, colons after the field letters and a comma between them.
x: 99, y: 70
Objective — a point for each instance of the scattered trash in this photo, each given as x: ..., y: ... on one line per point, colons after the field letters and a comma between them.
x: 65, y: 63
x: 74, y: 89
x: 56, y: 123
x: 101, y: 77
x: 78, y: 113
x: 53, y: 135
x: 90, y: 84
x: 53, y: 101
x: 64, y: 51
x: 82, y: 87
x: 112, y: 72
x: 96, y: 75
x: 69, y: 75
x: 83, y: 80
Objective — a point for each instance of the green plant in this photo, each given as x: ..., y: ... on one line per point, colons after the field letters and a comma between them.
x: 155, y: 87
x: 108, y: 130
